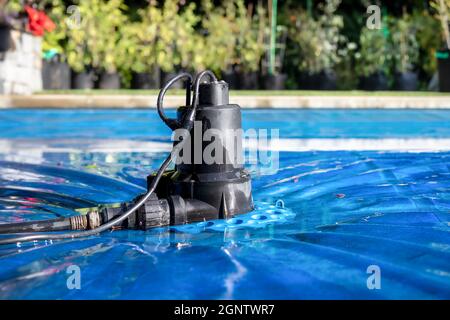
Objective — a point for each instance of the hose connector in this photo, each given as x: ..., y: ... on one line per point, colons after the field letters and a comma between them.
x: 91, y: 220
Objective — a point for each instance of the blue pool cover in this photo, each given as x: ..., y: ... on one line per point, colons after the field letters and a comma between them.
x: 322, y: 222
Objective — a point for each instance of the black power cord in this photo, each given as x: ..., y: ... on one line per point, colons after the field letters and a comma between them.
x: 187, y: 124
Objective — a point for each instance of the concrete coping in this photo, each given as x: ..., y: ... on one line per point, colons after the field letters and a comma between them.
x: 269, y: 101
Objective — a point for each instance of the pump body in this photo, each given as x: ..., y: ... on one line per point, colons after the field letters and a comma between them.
x: 203, y: 189
x: 198, y: 189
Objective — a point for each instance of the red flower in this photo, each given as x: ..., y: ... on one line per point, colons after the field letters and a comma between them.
x: 38, y: 22
x: 33, y: 14
x: 47, y: 23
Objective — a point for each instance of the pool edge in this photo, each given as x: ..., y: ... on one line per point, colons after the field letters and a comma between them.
x: 59, y: 101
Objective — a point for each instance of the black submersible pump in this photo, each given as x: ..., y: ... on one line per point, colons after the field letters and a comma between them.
x: 197, y: 189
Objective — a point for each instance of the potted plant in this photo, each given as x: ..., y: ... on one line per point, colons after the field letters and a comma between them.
x: 442, y: 8
x: 405, y: 53
x: 190, y: 45
x: 426, y: 26
x: 55, y: 70
x: 249, y: 48
x: 145, y: 73
x: 273, y: 77
x: 219, y: 27
x: 79, y: 55
x: 141, y: 38
x: 171, y: 36
x: 372, y: 60
x: 319, y: 42
x: 94, y: 44
x: 5, y: 37
x: 272, y: 64
x: 104, y: 33
x: 141, y: 44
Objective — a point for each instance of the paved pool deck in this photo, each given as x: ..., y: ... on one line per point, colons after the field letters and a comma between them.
x: 246, y: 101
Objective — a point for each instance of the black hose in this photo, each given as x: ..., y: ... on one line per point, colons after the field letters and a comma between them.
x: 58, y: 224
x: 122, y: 217
x: 187, y: 124
x: 172, y: 123
x: 196, y: 88
x: 103, y: 227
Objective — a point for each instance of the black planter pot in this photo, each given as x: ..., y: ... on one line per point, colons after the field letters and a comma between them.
x: 375, y: 82
x: 5, y: 38
x: 406, y: 81
x: 109, y: 81
x: 248, y: 81
x: 55, y: 75
x: 274, y: 81
x: 325, y: 80
x: 146, y: 80
x: 82, y: 80
x: 444, y: 70
x: 232, y: 78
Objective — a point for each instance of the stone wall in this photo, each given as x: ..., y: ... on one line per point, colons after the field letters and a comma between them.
x: 20, y: 66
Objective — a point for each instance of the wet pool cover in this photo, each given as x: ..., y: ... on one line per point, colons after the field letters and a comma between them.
x: 342, y: 214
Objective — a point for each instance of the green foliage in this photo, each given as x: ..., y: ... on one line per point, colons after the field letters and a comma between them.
x: 166, y: 54
x: 405, y: 47
x: 250, y: 36
x: 96, y: 41
x: 170, y: 36
x: 426, y: 27
x: 141, y: 38
x: 373, y: 55
x: 104, y: 34
x: 9, y: 13
x: 77, y: 51
x: 164, y: 37
x: 189, y: 44
x: 442, y: 12
x: 220, y: 35
x: 234, y: 35
x: 11, y: 5
x: 346, y: 79
x: 319, y: 40
x: 393, y: 48
x: 55, y: 40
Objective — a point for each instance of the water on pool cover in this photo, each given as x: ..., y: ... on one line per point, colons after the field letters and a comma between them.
x: 343, y: 212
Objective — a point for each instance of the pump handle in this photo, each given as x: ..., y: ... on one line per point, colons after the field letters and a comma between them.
x: 173, y: 124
